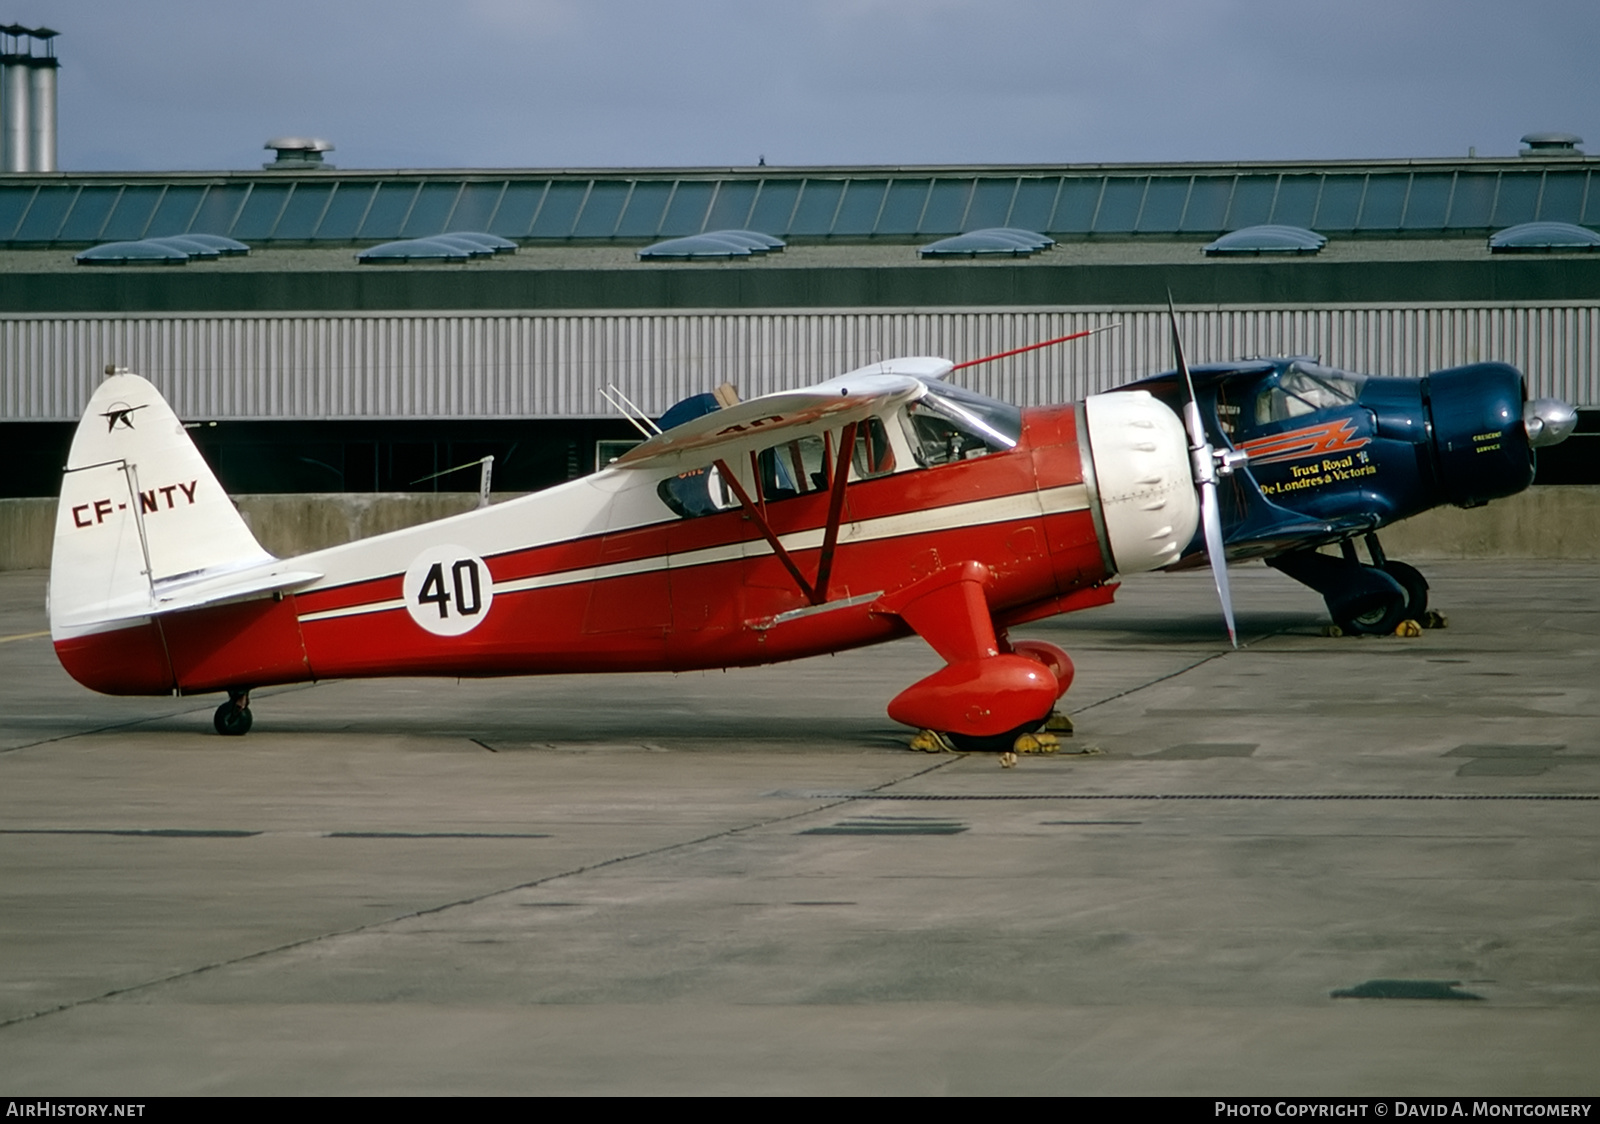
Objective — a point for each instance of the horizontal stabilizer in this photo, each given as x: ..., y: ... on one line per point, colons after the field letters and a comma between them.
x: 210, y: 591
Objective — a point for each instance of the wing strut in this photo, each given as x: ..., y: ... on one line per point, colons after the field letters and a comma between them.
x: 830, y: 537
x: 818, y: 593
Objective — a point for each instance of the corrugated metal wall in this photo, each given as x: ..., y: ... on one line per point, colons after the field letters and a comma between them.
x: 419, y: 365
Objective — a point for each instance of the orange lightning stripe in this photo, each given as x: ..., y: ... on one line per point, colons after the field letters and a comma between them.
x: 1313, y: 441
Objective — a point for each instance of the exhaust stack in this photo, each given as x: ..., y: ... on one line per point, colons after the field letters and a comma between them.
x: 27, y: 99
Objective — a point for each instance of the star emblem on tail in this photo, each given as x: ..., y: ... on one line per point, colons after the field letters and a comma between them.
x: 120, y: 414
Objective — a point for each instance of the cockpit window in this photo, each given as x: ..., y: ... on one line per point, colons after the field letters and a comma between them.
x: 699, y: 491
x: 873, y: 455
x: 793, y: 468
x: 1305, y: 388
x: 950, y: 424
x: 783, y: 471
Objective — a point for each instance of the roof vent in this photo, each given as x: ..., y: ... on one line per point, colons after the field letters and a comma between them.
x: 1551, y: 144
x: 297, y: 154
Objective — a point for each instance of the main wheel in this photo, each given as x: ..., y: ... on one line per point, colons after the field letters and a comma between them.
x: 1370, y: 616
x: 1415, y: 585
x: 232, y: 720
x: 993, y: 743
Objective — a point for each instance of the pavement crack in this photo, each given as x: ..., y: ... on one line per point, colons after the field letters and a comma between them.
x: 443, y: 907
x: 1150, y: 683
x: 1181, y: 671
x: 100, y: 730
x: 132, y: 722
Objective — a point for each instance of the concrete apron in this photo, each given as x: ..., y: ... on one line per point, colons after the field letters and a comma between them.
x: 1548, y: 522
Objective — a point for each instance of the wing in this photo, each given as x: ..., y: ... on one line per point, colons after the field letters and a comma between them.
x: 756, y: 424
x: 1297, y: 534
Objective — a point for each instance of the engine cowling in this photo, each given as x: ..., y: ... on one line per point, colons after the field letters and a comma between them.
x: 1479, y: 434
x: 1138, y: 466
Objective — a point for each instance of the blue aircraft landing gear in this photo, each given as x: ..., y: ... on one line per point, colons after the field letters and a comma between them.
x: 233, y: 718
x: 1412, y: 581
x: 1363, y: 600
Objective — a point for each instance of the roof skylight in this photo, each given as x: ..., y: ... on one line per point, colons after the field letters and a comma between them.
x: 1268, y: 239
x: 1537, y: 237
x: 999, y: 240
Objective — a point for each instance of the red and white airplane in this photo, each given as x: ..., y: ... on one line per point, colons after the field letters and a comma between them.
x: 885, y: 502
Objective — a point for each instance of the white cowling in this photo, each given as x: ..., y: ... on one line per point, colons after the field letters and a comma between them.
x: 1141, y: 467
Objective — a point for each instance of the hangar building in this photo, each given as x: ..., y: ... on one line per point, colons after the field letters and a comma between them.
x: 308, y: 370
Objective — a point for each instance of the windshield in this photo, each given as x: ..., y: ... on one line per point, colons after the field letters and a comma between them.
x: 1000, y: 421
x: 953, y: 424
x: 1304, y: 388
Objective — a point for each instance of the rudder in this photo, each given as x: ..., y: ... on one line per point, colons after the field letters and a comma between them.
x: 140, y: 509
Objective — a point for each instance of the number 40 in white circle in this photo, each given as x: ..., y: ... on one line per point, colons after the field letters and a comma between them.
x: 448, y: 590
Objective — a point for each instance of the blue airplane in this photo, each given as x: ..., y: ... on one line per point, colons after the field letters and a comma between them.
x: 1306, y: 456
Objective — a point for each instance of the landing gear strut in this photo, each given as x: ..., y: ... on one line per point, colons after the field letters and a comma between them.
x: 233, y: 718
x: 990, y: 691
x: 1410, y: 579
x: 1364, y: 600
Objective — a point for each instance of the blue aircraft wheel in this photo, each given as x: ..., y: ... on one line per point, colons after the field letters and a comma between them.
x: 232, y: 720
x: 1369, y: 611
x: 1415, y: 585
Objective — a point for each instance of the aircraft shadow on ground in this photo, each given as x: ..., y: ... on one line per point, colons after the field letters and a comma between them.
x: 1193, y: 628
x: 625, y: 727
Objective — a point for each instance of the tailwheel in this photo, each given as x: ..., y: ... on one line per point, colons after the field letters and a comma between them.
x: 233, y: 718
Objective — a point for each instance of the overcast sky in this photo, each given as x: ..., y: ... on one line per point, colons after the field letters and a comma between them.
x: 178, y: 84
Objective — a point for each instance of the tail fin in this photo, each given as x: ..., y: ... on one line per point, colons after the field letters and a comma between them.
x: 140, y: 510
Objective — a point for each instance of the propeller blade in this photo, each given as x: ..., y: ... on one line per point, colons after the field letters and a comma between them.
x: 1211, y: 520
x: 1177, y: 345
x: 1203, y: 458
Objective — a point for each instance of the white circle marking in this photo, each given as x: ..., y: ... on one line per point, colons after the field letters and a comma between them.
x: 448, y: 590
